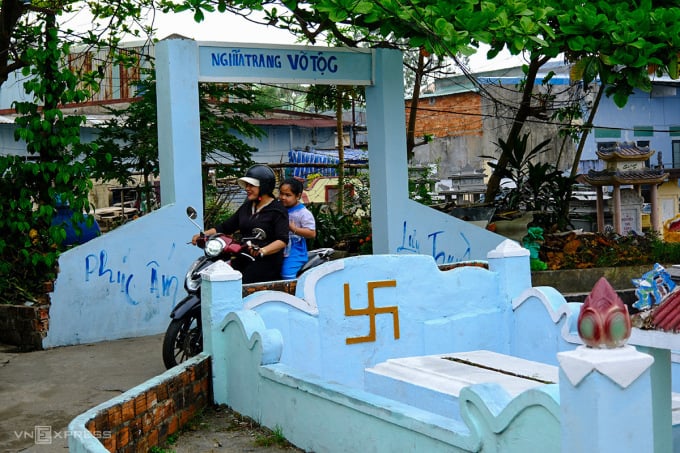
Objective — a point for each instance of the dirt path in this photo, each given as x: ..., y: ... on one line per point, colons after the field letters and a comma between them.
x: 220, y: 430
x: 47, y: 389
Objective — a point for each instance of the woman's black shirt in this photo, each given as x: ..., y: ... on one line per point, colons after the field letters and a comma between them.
x: 273, y: 219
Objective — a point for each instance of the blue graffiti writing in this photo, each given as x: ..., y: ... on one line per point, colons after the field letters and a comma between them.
x: 441, y: 257
x: 411, y: 244
x: 99, y: 268
x: 160, y: 285
x: 169, y: 284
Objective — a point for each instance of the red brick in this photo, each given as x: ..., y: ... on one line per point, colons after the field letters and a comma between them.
x: 109, y: 443
x: 127, y: 410
x: 162, y: 391
x: 158, y: 415
x: 151, y: 399
x: 142, y: 445
x: 115, y: 418
x: 187, y: 377
x: 169, y: 406
x: 140, y: 404
x: 173, y: 425
x: 136, y: 429
x: 185, y: 416
x: 101, y: 422
x: 152, y: 438
x: 43, y: 313
x: 174, y: 385
x: 147, y: 422
x: 452, y: 115
x: 123, y: 437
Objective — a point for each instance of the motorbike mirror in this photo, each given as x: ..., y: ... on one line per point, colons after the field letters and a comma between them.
x: 192, y: 214
x: 258, y: 233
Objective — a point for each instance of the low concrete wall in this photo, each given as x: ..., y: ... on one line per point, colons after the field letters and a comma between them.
x: 23, y: 326
x: 144, y: 416
x: 582, y: 280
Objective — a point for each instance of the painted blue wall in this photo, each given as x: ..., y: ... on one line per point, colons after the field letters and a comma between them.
x: 659, y: 109
x: 125, y: 283
x: 292, y: 361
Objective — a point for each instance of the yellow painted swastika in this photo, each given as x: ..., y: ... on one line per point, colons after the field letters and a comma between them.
x: 371, y: 311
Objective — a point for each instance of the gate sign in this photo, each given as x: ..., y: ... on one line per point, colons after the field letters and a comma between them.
x: 285, y: 64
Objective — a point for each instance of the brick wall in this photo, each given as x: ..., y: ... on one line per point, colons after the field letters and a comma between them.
x: 24, y: 326
x: 449, y: 116
x: 146, y: 419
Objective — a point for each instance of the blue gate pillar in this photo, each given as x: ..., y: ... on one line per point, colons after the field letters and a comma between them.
x: 179, y: 128
x: 388, y: 166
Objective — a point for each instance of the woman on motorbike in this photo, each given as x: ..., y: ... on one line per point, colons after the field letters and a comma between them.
x: 260, y: 210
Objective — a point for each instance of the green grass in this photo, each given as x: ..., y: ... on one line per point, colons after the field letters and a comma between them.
x: 270, y: 438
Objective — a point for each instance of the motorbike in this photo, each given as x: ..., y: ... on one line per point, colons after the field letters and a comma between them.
x: 184, y: 338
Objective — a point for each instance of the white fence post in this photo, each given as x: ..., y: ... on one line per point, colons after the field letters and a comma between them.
x: 606, y: 400
x: 221, y: 293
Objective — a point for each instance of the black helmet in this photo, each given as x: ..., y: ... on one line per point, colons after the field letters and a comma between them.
x: 260, y: 176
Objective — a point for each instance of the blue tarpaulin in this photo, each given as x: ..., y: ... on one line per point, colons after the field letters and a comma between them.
x: 352, y: 156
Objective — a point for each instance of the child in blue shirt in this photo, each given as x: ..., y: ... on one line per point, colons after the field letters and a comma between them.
x: 302, y: 226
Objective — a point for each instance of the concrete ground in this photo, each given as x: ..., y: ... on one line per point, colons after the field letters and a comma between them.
x: 45, y: 390
x: 42, y: 391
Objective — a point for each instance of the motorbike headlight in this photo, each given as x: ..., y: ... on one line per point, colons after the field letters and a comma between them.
x: 214, y: 247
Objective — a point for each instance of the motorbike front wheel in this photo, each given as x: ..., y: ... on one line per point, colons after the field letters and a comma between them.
x: 183, y: 339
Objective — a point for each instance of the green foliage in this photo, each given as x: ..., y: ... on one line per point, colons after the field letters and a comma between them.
x: 348, y: 230
x: 157, y: 449
x: 272, y: 438
x: 23, y: 22
x: 588, y: 250
x: 55, y: 173
x: 539, y: 186
x: 664, y: 252
x: 129, y: 141
x: 419, y: 188
x: 217, y: 206
x: 324, y: 97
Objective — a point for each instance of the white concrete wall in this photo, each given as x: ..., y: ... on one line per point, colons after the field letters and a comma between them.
x: 125, y: 283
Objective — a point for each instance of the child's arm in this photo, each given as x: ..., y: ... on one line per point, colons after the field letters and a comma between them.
x: 306, y: 233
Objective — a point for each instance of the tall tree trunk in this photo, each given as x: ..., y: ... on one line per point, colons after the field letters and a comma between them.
x: 586, y: 130
x: 587, y: 127
x: 413, y: 109
x: 522, y: 114
x: 341, y: 150
x: 10, y: 13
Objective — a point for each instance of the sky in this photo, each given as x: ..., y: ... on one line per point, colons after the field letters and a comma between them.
x: 223, y: 27
x: 226, y: 27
